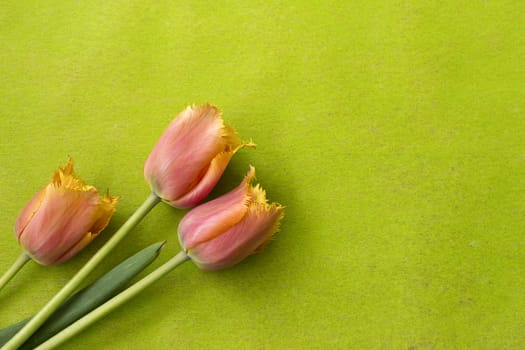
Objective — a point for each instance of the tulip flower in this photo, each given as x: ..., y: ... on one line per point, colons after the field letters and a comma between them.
x: 60, y: 220
x: 63, y: 218
x: 191, y: 155
x: 222, y: 232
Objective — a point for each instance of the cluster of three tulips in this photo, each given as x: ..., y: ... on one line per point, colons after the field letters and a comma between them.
x: 184, y: 166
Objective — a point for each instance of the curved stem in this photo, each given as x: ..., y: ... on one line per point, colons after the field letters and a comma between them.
x: 113, y: 303
x: 74, y: 282
x: 19, y: 263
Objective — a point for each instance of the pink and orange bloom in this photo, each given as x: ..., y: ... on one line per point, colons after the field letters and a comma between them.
x: 191, y: 155
x: 62, y: 218
x: 222, y: 232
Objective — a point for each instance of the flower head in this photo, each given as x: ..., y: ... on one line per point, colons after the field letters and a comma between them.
x: 222, y: 232
x: 191, y: 155
x: 63, y: 217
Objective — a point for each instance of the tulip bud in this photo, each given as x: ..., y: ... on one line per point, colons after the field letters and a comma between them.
x: 63, y: 217
x: 191, y: 155
x: 222, y: 232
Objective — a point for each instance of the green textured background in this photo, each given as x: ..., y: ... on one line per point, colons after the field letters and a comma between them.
x: 394, y: 132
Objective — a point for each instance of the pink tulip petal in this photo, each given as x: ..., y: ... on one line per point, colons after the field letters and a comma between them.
x: 206, y: 184
x: 105, y: 210
x: 29, y: 211
x: 74, y: 250
x: 241, y: 240
x: 216, y: 216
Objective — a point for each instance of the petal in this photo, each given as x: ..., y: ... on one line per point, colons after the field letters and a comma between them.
x: 84, y: 241
x: 66, y: 177
x: 211, y: 219
x: 61, y: 177
x: 105, y: 210
x: 29, y: 211
x: 206, y: 184
x: 243, y: 239
x: 103, y: 214
x: 209, y: 180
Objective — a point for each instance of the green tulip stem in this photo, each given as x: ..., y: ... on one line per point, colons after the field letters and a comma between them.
x: 19, y: 263
x: 113, y: 303
x: 73, y: 284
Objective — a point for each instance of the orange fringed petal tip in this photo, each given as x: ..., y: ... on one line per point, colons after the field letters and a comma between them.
x: 63, y: 217
x: 191, y: 155
x: 222, y: 232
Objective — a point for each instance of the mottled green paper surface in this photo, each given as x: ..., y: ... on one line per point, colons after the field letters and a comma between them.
x: 394, y: 132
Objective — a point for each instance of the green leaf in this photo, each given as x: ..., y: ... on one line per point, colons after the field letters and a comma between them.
x: 87, y: 299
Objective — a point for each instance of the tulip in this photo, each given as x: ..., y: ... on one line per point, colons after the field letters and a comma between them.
x: 222, y: 232
x: 62, y: 218
x: 191, y: 155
